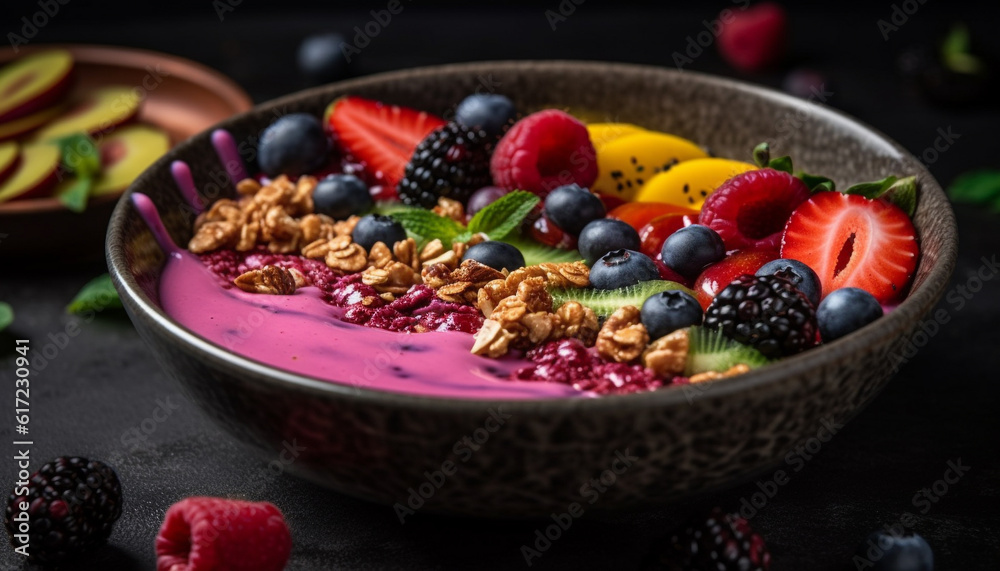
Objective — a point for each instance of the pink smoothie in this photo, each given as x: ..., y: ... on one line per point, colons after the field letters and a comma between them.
x: 302, y: 334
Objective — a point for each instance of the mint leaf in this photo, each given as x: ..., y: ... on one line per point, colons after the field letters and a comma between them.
x: 817, y: 183
x: 75, y: 197
x: 872, y: 189
x: 976, y: 187
x: 903, y: 193
x: 427, y: 226
x: 81, y: 157
x: 99, y: 294
x: 503, y: 215
x: 6, y: 315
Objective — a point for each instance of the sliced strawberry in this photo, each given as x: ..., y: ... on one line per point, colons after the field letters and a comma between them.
x: 749, y: 211
x: 717, y: 276
x: 381, y: 136
x: 851, y: 241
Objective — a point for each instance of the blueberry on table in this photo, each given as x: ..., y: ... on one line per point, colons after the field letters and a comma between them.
x: 321, y: 58
x: 802, y: 276
x: 669, y: 311
x: 886, y: 551
x: 691, y: 249
x: 605, y: 234
x: 497, y: 255
x: 340, y: 196
x: 293, y: 145
x: 490, y: 112
x: 846, y: 310
x: 622, y: 268
x: 571, y: 207
x: 377, y: 228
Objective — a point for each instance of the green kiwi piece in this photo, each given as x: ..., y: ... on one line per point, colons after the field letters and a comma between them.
x: 710, y: 350
x: 604, y: 302
x: 536, y: 253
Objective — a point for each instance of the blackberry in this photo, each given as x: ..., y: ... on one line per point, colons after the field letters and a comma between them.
x: 453, y: 162
x: 719, y: 542
x: 765, y: 312
x: 72, y: 504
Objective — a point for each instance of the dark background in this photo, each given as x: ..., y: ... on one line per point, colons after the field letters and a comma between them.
x: 941, y: 407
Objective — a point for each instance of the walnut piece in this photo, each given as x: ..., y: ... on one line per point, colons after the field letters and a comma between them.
x: 247, y: 187
x: 535, y: 296
x: 578, y: 321
x: 667, y: 356
x: 450, y: 209
x: 623, y: 337
x: 273, y: 280
x: 712, y: 375
x: 212, y: 236
x: 462, y: 284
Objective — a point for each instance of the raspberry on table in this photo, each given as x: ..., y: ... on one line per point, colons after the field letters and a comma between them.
x: 716, y: 542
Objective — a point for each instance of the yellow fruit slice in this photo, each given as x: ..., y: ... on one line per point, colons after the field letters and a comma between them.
x: 126, y: 153
x: 689, y: 183
x: 624, y: 165
x: 603, y: 133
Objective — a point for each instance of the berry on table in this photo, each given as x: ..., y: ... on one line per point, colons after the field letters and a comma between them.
x: 572, y: 207
x: 294, y: 145
x: 801, y: 276
x: 320, y: 58
x: 341, y: 196
x: 603, y: 235
x: 377, y: 228
x: 622, y: 268
x: 691, y: 249
x: 669, y: 311
x: 497, y: 255
x: 715, y: 542
x: 214, y: 534
x: 72, y: 505
x: 844, y: 311
x: 886, y: 551
x: 452, y: 162
x: 755, y: 38
x: 491, y: 112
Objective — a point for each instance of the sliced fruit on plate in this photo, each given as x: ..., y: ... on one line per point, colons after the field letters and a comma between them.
x: 638, y: 214
x: 381, y: 136
x: 34, y: 82
x: 125, y: 154
x: 95, y: 112
x: 35, y: 174
x: 852, y: 241
x: 10, y: 152
x: 603, y: 133
x: 690, y: 182
x: 604, y: 302
x: 626, y: 164
x: 17, y: 127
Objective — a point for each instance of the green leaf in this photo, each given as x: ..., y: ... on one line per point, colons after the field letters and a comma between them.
x: 781, y: 164
x: 427, y: 226
x: 503, y: 215
x: 762, y: 154
x: 75, y: 197
x: 81, y: 157
x: 872, y: 189
x: 817, y: 183
x: 99, y: 294
x: 903, y: 193
x: 6, y: 315
x: 956, y: 51
x: 976, y: 187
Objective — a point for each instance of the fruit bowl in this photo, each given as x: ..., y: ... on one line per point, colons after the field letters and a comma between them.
x: 531, y: 458
x: 178, y: 96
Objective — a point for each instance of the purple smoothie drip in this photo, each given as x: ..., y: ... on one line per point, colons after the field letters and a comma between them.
x: 229, y: 155
x: 147, y: 210
x: 185, y: 183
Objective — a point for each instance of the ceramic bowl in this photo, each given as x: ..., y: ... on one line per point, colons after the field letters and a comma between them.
x: 390, y: 448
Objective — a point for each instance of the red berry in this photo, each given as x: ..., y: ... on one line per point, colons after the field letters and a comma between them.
x: 749, y: 211
x: 545, y: 231
x: 214, y: 534
x: 755, y: 38
x: 851, y: 241
x: 656, y: 231
x: 638, y: 214
x: 717, y: 276
x: 544, y: 150
x: 611, y: 202
x: 668, y: 274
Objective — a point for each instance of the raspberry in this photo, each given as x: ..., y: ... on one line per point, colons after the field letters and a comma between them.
x: 569, y: 362
x: 542, y: 151
x: 720, y: 542
x: 214, y: 534
x: 749, y: 211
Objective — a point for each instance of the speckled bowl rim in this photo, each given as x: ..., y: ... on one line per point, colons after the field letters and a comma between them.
x: 918, y: 303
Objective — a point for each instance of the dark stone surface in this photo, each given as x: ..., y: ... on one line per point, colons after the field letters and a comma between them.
x: 104, y: 384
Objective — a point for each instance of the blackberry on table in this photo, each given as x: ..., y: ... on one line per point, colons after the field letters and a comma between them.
x: 452, y: 162
x: 718, y: 542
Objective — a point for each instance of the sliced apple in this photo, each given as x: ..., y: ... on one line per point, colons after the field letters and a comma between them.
x: 125, y: 154
x: 10, y: 152
x: 17, y: 127
x: 97, y: 111
x: 35, y: 173
x: 34, y: 82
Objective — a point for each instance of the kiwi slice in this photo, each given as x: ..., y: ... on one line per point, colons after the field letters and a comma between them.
x: 538, y: 253
x: 710, y: 350
x: 604, y: 302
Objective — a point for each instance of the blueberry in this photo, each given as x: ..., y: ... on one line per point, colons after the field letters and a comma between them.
x: 622, y: 268
x: 845, y: 310
x: 483, y: 198
x: 497, y: 255
x: 294, y: 145
x: 691, y: 249
x: 490, y: 112
x: 885, y: 551
x: 321, y: 59
x: 340, y: 196
x: 669, y: 311
x: 802, y: 276
x: 603, y: 235
x: 571, y: 208
x: 377, y: 228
